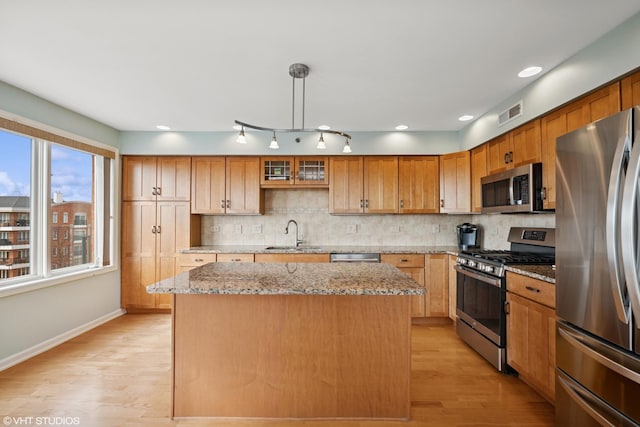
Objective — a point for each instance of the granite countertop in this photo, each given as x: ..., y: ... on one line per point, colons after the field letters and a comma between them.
x: 261, y: 249
x: 541, y: 272
x: 290, y: 279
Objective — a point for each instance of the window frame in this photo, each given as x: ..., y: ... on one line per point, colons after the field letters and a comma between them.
x: 41, y: 272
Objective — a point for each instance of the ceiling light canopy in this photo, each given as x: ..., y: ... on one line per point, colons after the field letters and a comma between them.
x: 296, y: 71
x: 529, y: 71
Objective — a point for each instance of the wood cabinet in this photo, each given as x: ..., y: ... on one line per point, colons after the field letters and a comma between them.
x: 597, y: 105
x: 235, y: 257
x: 455, y: 182
x: 190, y: 261
x: 453, y: 280
x: 363, y: 184
x: 436, y: 281
x: 156, y: 226
x: 630, y: 91
x: 518, y: 147
x: 226, y: 185
x: 531, y: 332
x: 153, y: 233
x: 156, y: 178
x: 418, y: 184
x: 292, y: 257
x: 307, y: 171
x: 412, y: 265
x: 478, y: 170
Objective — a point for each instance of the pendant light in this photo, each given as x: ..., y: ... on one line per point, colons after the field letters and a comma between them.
x: 296, y: 71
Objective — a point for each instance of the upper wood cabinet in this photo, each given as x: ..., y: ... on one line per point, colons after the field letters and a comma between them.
x: 515, y: 148
x: 581, y: 112
x: 226, y: 185
x: 630, y: 90
x: 363, y: 184
x: 478, y: 170
x: 418, y: 183
x: 455, y: 182
x: 156, y: 178
x: 307, y: 171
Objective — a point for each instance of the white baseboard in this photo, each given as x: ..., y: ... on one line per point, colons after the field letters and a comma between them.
x: 14, y: 359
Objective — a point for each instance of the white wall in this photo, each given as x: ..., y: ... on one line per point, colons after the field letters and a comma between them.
x: 30, y: 321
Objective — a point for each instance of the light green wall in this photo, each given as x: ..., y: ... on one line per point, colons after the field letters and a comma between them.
x: 29, y: 319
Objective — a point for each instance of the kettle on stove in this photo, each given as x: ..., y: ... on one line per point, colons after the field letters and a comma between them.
x: 467, y: 236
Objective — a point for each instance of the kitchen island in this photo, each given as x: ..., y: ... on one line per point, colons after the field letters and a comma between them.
x: 281, y: 340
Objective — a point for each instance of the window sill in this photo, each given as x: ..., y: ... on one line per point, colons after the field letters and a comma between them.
x: 39, y: 283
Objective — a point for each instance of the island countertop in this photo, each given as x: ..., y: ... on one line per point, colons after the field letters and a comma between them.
x: 290, y: 279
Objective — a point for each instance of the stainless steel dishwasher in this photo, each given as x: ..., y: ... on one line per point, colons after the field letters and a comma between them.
x: 354, y: 257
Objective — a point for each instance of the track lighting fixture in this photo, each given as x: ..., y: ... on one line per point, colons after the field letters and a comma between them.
x: 296, y: 71
x: 347, y: 147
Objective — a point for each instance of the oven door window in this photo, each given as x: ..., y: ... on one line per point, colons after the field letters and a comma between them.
x: 480, y: 304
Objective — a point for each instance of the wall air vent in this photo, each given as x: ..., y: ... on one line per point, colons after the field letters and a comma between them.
x: 510, y: 113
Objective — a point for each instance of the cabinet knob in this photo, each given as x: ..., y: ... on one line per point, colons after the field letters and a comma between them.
x: 401, y: 204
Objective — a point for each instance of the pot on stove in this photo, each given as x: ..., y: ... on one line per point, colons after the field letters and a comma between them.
x: 467, y: 236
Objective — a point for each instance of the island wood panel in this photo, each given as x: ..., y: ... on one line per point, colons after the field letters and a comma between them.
x: 292, y: 356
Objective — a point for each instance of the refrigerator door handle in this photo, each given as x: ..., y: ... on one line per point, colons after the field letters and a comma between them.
x: 599, y: 354
x: 614, y: 194
x: 590, y: 404
x: 628, y: 231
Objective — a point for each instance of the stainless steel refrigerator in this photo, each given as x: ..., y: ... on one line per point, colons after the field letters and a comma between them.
x: 597, y: 290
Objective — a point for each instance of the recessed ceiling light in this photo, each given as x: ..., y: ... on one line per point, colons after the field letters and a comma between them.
x: 402, y: 127
x: 529, y: 71
x: 237, y: 127
x: 465, y: 118
x: 163, y: 127
x: 324, y: 127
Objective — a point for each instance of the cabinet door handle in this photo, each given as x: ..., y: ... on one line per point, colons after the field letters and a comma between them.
x: 153, y: 229
x: 532, y: 289
x: 158, y: 230
x: 366, y: 203
x: 442, y: 203
x: 506, y: 307
x: 506, y: 158
x: 153, y: 191
x: 543, y: 193
x: 361, y: 204
x: 228, y: 204
x: 404, y: 260
x: 222, y: 204
x: 235, y: 260
x: 401, y: 204
x: 198, y: 260
x: 510, y: 156
x: 158, y: 191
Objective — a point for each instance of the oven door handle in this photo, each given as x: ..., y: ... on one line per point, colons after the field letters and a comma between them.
x: 494, y: 281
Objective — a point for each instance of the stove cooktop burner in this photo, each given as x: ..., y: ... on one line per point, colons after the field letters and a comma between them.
x: 510, y: 257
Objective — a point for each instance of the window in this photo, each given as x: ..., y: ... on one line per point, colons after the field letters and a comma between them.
x: 4, y: 235
x: 44, y: 175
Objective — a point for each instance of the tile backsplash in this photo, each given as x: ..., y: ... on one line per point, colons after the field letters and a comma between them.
x: 310, y: 209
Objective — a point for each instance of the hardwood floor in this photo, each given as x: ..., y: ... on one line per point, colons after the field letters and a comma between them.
x: 119, y: 375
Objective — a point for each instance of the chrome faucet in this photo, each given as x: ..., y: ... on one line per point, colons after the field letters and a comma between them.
x: 286, y: 231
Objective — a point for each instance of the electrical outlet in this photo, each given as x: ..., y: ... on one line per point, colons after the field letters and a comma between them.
x: 214, y: 228
x: 435, y: 228
x: 256, y: 229
x: 351, y: 229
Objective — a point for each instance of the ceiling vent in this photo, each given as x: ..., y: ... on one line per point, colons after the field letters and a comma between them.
x: 510, y: 113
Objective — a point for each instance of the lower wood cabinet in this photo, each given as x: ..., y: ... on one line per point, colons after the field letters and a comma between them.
x: 190, y: 261
x: 436, y: 281
x: 413, y: 265
x: 453, y: 279
x: 531, y: 325
x: 235, y: 258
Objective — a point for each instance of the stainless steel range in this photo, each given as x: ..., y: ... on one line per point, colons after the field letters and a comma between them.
x: 482, y: 289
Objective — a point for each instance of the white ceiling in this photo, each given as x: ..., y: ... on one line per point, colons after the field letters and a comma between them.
x: 197, y: 65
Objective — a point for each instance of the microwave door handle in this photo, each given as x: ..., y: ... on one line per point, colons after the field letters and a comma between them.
x: 511, y: 200
x: 628, y: 230
x: 612, y: 222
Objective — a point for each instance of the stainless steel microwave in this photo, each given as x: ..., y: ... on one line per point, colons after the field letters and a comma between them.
x: 516, y: 190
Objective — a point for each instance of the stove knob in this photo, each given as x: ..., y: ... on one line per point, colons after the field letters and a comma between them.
x: 472, y: 263
x: 488, y: 268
